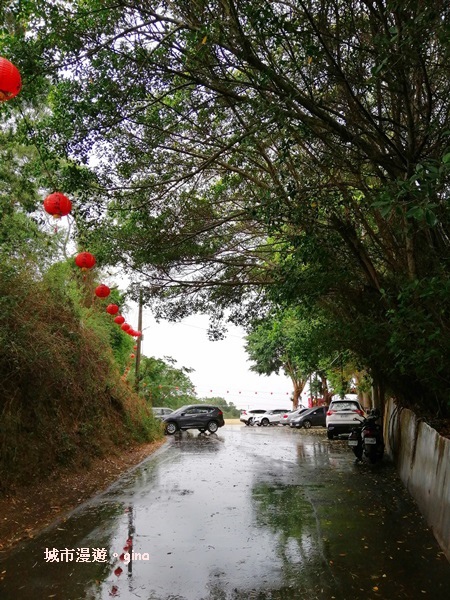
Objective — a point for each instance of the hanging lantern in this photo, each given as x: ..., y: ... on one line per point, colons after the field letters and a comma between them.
x: 10, y: 80
x: 102, y: 291
x: 125, y: 327
x: 131, y: 355
x: 119, y: 320
x: 134, y: 347
x: 113, y: 309
x: 85, y: 260
x: 138, y: 333
x: 57, y: 205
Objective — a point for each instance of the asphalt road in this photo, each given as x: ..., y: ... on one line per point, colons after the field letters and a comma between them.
x: 249, y: 513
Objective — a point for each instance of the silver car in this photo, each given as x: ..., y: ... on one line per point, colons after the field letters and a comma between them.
x: 292, y: 414
x: 159, y: 412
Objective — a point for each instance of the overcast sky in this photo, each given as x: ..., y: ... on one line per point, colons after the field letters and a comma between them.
x: 221, y: 368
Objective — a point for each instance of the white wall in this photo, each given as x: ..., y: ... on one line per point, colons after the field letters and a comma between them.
x: 422, y: 457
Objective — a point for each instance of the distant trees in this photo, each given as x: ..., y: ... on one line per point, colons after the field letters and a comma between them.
x: 164, y: 384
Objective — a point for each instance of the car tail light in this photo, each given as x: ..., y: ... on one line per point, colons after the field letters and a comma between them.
x: 220, y: 413
x: 244, y: 412
x: 359, y: 412
x: 330, y: 412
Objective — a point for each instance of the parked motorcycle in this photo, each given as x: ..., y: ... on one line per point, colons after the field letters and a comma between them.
x: 367, y: 438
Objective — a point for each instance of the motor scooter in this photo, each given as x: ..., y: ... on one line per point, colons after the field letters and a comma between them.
x: 367, y: 438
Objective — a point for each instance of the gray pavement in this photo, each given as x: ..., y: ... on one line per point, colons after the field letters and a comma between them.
x: 254, y: 513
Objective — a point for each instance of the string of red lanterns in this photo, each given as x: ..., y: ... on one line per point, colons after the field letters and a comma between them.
x: 57, y: 204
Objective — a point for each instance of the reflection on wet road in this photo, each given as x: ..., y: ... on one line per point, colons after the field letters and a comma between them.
x: 249, y: 513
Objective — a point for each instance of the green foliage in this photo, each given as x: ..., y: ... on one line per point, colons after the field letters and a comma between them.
x: 163, y: 384
x: 293, y: 340
x: 228, y: 408
x: 247, y: 155
x: 61, y: 398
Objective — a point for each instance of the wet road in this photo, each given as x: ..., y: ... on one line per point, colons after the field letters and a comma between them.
x: 254, y: 513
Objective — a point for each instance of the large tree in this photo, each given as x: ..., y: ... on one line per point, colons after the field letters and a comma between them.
x: 290, y: 342
x: 300, y: 147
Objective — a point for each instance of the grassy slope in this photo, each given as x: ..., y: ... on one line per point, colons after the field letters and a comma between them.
x: 62, y: 400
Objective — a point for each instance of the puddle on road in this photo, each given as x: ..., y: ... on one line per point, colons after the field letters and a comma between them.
x: 246, y: 514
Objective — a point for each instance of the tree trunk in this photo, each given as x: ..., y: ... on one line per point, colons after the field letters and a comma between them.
x: 326, y: 394
x: 299, y: 386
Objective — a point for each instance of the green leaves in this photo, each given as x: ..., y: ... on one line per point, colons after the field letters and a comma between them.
x: 237, y: 157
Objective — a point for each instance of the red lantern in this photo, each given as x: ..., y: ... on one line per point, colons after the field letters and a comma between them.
x: 119, y: 320
x: 10, y: 80
x: 138, y: 333
x: 134, y: 347
x: 57, y: 205
x: 102, y: 291
x: 85, y: 260
x: 113, y: 309
x: 131, y: 355
x: 125, y: 327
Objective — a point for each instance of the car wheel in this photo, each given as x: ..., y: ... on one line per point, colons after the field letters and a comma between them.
x: 212, y: 427
x: 307, y: 424
x: 265, y: 422
x: 330, y: 435
x: 171, y: 428
x: 250, y: 421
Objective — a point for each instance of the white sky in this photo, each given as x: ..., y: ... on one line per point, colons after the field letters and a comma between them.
x: 221, y: 368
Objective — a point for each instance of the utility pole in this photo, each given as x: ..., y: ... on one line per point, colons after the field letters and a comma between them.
x: 139, y: 341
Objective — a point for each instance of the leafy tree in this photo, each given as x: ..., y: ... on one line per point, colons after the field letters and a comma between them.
x: 242, y: 150
x: 164, y: 384
x: 294, y: 342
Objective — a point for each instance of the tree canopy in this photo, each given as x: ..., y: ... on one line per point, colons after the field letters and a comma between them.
x: 235, y: 155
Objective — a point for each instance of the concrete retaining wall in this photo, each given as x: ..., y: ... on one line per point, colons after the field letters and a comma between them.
x: 422, y: 457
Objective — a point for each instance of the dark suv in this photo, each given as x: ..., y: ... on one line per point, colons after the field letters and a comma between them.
x: 203, y: 417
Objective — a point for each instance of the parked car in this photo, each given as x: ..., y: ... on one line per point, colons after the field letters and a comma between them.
x: 203, y: 417
x: 292, y: 414
x: 311, y: 417
x: 161, y: 411
x: 342, y: 413
x: 270, y: 417
x: 247, y: 416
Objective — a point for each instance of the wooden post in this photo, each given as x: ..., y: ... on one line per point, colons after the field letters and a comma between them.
x: 139, y: 341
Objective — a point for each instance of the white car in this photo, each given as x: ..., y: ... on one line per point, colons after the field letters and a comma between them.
x: 270, y: 417
x: 159, y: 412
x: 343, y: 414
x: 247, y: 416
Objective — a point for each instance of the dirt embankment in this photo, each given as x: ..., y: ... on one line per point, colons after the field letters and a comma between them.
x: 26, y: 510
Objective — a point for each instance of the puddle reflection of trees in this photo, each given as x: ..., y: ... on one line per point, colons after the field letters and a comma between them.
x: 289, y: 515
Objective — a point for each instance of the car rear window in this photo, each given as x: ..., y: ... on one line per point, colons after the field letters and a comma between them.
x: 345, y: 405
